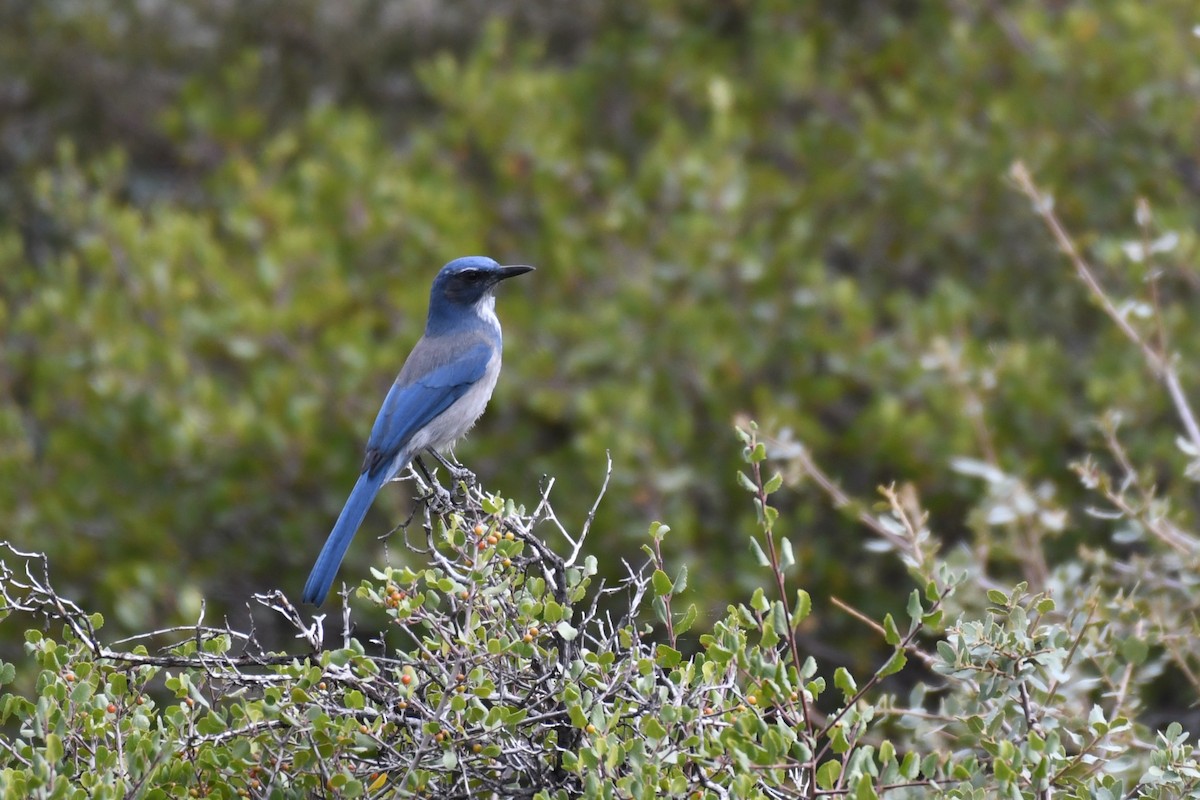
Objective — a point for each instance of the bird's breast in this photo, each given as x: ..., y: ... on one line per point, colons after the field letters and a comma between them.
x: 453, y: 423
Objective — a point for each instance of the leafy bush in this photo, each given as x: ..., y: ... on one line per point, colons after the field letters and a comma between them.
x: 499, y: 673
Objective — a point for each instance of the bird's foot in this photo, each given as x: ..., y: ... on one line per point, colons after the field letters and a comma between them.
x: 461, y: 478
x: 439, y: 499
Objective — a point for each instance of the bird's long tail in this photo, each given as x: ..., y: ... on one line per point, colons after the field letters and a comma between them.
x: 324, y: 571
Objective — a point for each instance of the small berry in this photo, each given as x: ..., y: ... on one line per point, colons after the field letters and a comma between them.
x: 492, y: 539
x: 112, y: 709
x: 752, y: 700
x: 590, y: 729
x: 406, y: 679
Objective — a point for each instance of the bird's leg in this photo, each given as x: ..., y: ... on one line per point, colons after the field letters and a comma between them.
x: 439, y: 498
x: 458, y: 473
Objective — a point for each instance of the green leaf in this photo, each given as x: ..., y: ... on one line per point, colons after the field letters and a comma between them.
x: 681, y: 581
x: 578, y: 718
x: 759, y: 601
x: 843, y: 680
x: 773, y: 484
x: 746, y: 482
x: 661, y: 583
x: 759, y: 555
x: 1134, y: 650
x: 915, y: 611
x: 54, y: 748
x: 891, y: 634
x: 893, y: 664
x: 667, y: 657
x: 687, y: 620
x: 652, y: 727
x: 828, y: 774
x: 803, y: 607
x: 865, y: 789
x: 998, y: 597
x: 787, y: 558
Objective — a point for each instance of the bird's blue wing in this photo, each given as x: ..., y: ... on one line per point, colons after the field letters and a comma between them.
x: 416, y: 399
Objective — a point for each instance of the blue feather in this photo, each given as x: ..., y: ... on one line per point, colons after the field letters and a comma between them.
x: 348, y: 522
x: 411, y: 404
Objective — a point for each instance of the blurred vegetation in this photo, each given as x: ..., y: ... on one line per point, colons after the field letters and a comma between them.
x: 218, y: 223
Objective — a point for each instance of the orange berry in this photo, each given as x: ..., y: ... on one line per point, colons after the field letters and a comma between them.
x: 480, y: 530
x: 406, y: 679
x: 112, y: 709
x: 492, y: 539
x: 590, y: 729
x: 752, y: 700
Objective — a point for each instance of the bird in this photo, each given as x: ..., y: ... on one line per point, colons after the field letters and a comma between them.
x: 441, y: 391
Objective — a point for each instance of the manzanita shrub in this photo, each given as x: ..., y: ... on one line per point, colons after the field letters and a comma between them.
x: 506, y: 668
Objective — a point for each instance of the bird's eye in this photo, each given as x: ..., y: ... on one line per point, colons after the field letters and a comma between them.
x: 471, y: 275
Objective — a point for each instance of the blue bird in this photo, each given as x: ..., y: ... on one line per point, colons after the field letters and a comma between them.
x: 439, y: 394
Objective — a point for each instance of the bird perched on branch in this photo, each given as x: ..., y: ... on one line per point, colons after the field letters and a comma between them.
x: 440, y: 392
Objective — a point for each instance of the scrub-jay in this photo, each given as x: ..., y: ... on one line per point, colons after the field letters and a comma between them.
x: 440, y: 392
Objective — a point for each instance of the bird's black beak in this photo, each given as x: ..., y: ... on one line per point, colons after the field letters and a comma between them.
x: 513, y: 271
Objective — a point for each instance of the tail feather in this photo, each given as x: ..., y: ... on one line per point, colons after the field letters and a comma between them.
x: 348, y: 522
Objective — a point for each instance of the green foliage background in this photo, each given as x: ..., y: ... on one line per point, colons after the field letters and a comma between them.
x: 218, y: 224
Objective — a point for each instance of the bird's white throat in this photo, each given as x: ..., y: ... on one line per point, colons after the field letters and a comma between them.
x: 486, y: 310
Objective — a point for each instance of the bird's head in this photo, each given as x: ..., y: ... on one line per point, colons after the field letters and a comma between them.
x: 466, y: 281
x: 467, y: 284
